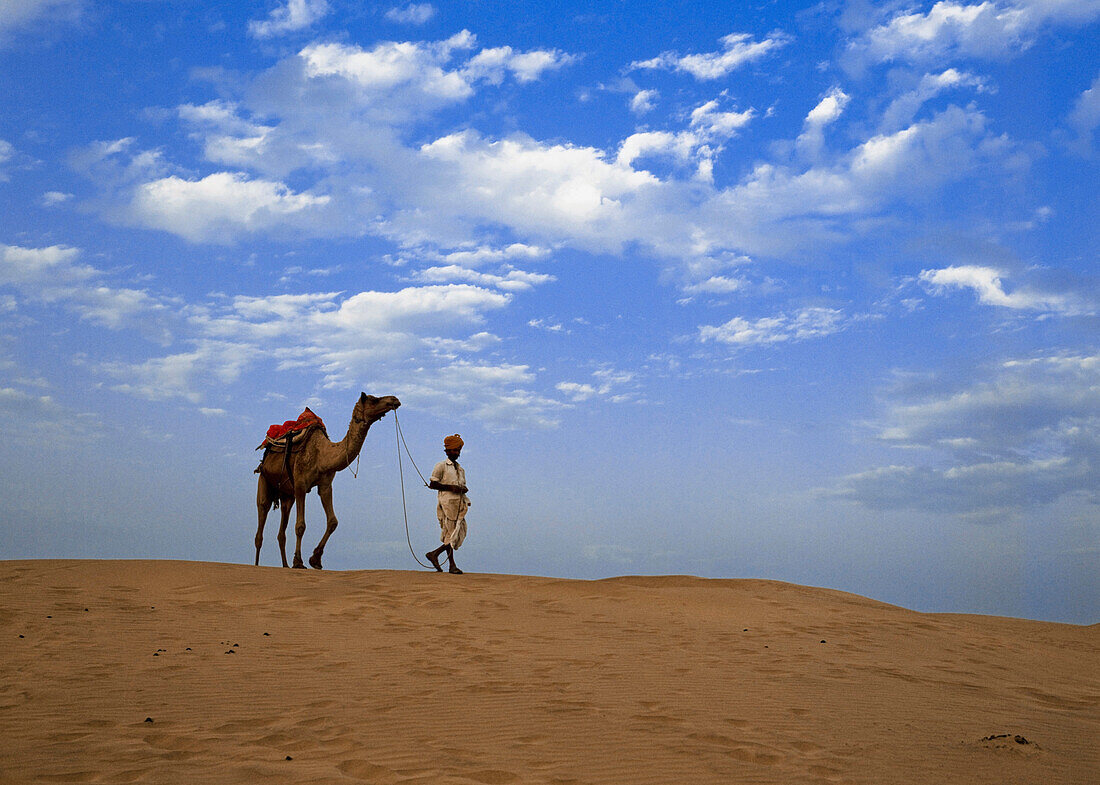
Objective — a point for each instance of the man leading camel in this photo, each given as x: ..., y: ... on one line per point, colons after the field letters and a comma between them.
x: 449, y: 479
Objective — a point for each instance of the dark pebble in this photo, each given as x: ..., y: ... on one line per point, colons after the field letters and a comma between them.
x: 231, y: 652
x: 49, y: 617
x: 236, y: 645
x: 148, y: 719
x: 188, y: 648
x: 1021, y: 740
x: 267, y: 634
x: 823, y: 641
x: 20, y: 636
x: 289, y: 758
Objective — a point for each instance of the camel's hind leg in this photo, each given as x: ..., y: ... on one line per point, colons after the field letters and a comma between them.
x: 324, y: 490
x: 286, y: 504
x: 264, y: 501
x: 299, y: 529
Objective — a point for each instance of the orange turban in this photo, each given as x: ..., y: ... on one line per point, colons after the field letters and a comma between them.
x: 452, y: 442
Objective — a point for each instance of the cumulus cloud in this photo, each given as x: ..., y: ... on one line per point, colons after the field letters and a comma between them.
x: 539, y: 190
x: 296, y: 15
x: 492, y: 65
x: 904, y: 108
x: 344, y: 124
x: 987, y: 284
x: 950, y: 30
x: 183, y: 374
x: 1025, y: 435
x: 219, y: 206
x: 643, y: 101
x: 411, y: 14
x: 827, y: 111
x: 738, y: 49
x: 404, y: 340
x: 805, y: 324
x: 509, y: 281
x: 53, y: 275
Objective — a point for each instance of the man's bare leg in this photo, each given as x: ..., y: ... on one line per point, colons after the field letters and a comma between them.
x: 451, y: 556
x: 433, y: 557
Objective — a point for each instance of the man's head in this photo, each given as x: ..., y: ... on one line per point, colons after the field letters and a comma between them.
x: 452, y: 446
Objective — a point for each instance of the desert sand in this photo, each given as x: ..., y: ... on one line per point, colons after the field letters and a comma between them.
x: 185, y: 672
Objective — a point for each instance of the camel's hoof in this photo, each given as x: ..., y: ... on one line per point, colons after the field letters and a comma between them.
x: 315, y: 562
x: 298, y: 563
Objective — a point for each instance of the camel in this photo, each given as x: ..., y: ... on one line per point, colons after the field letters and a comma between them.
x: 312, y: 465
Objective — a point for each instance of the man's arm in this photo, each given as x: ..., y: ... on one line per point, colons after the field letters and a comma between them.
x: 436, y: 485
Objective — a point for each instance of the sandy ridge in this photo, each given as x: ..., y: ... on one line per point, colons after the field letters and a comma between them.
x: 405, y: 677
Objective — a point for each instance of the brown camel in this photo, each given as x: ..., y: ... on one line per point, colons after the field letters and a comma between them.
x: 313, y: 465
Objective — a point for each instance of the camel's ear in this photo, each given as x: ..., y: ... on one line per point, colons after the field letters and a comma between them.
x: 362, y: 397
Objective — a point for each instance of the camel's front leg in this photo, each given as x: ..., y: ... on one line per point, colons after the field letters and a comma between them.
x: 299, y: 528
x: 284, y: 521
x: 324, y: 490
x: 263, y: 507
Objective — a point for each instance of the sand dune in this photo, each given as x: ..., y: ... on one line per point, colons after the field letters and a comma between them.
x: 182, y: 672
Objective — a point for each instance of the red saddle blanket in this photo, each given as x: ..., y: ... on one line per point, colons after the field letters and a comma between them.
x: 306, y: 419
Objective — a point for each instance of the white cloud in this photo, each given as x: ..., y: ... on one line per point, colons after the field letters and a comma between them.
x: 715, y: 284
x: 411, y: 14
x: 643, y: 101
x: 827, y: 111
x: 697, y: 146
x: 217, y: 207
x: 956, y: 30
x: 491, y: 65
x: 510, y: 281
x: 184, y: 374
x: 389, y: 66
x: 608, y: 384
x: 1084, y: 119
x: 52, y: 275
x: 296, y: 15
x: 808, y: 323
x: 406, y: 341
x: 54, y: 198
x: 7, y: 152
x: 717, y: 125
x: 904, y: 108
x: 576, y: 391
x: 484, y: 255
x: 536, y: 189
x: 987, y: 283
x: 16, y: 15
x: 737, y: 50
x: 340, y: 116
x: 1026, y: 434
x: 36, y: 266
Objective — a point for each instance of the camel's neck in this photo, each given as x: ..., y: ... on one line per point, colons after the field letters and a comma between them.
x: 339, y: 455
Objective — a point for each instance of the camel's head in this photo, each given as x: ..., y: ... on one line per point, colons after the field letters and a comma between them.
x: 369, y: 409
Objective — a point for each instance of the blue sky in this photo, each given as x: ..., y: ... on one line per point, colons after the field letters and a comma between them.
x: 794, y: 291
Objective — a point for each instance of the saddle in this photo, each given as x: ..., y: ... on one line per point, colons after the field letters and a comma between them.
x: 281, y: 437
x: 286, y: 438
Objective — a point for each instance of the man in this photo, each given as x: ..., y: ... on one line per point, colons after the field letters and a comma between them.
x: 449, y: 479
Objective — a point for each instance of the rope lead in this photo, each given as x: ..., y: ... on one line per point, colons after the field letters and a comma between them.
x: 401, y: 474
